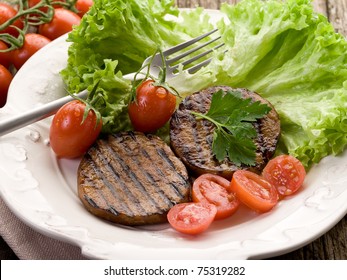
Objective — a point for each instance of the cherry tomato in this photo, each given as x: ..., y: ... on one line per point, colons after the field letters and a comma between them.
x: 44, y: 9
x: 83, y: 6
x: 214, y: 189
x: 5, y: 81
x: 254, y: 191
x: 69, y: 136
x: 7, y: 12
x: 32, y: 3
x: 5, y: 57
x: 32, y: 43
x: 62, y: 22
x: 286, y: 173
x: 191, y: 217
x: 152, y: 108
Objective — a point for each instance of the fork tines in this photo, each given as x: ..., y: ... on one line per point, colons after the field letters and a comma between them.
x: 186, y: 44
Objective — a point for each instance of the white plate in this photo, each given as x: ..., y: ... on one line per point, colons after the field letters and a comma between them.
x: 41, y: 191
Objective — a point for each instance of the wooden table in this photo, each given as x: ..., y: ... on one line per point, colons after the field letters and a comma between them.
x: 333, y: 244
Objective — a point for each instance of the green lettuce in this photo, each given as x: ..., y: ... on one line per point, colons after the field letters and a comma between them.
x: 292, y: 57
x: 281, y: 49
x: 113, y: 39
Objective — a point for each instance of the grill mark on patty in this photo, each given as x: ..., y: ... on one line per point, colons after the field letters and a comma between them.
x: 171, y: 193
x: 140, y: 191
x: 116, y: 187
x: 157, y: 160
x: 166, y: 159
x: 148, y: 181
x: 205, y: 132
x: 132, y: 179
x: 91, y: 201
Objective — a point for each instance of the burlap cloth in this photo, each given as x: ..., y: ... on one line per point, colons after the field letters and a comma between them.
x: 28, y: 244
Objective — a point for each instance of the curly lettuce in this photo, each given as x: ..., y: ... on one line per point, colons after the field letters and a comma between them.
x: 281, y: 49
x: 113, y: 39
x: 293, y: 57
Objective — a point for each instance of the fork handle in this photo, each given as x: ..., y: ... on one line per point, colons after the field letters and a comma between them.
x: 36, y: 114
x: 46, y: 110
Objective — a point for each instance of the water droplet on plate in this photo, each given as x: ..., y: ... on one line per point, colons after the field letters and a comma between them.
x: 34, y: 136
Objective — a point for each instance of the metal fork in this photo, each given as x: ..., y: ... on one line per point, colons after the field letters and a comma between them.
x: 154, y: 62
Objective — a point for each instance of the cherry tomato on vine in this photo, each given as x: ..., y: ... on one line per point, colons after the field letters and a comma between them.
x: 254, y: 191
x: 214, y: 189
x: 69, y: 135
x: 5, y: 57
x: 7, y: 12
x: 286, y: 173
x: 32, y: 3
x: 5, y: 81
x: 32, y: 43
x: 191, y: 217
x: 62, y: 22
x: 44, y: 9
x: 83, y: 6
x: 152, y: 108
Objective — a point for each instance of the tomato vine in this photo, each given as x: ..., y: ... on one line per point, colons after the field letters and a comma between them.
x: 40, y: 13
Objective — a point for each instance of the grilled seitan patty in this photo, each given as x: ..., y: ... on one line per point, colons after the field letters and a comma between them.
x: 132, y: 179
x: 191, y: 139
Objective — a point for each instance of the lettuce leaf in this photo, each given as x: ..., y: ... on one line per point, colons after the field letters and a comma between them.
x: 281, y: 49
x: 292, y: 57
x: 303, y: 75
x: 113, y: 39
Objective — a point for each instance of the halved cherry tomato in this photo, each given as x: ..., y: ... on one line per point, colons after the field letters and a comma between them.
x: 83, y: 6
x: 32, y: 43
x: 214, y: 189
x: 286, y: 173
x: 254, y: 191
x: 62, y: 22
x: 152, y: 108
x: 6, y: 13
x: 191, y: 218
x: 5, y: 57
x: 69, y: 135
x: 5, y: 81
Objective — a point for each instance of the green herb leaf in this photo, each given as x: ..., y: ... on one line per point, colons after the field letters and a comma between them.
x: 238, y: 150
x: 234, y: 134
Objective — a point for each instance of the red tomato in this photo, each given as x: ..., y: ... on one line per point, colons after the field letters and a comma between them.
x: 62, y: 22
x: 44, y: 9
x: 32, y: 43
x: 5, y: 57
x: 254, y: 191
x: 69, y: 136
x: 32, y: 3
x: 83, y: 6
x: 286, y: 173
x: 191, y: 218
x: 7, y: 12
x: 214, y: 189
x: 152, y: 108
x: 5, y: 81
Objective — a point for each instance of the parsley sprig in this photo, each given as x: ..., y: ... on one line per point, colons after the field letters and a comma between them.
x: 234, y: 133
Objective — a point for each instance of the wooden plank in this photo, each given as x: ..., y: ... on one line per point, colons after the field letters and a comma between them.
x: 335, y: 10
x: 210, y: 4
x: 320, y: 6
x: 337, y: 14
